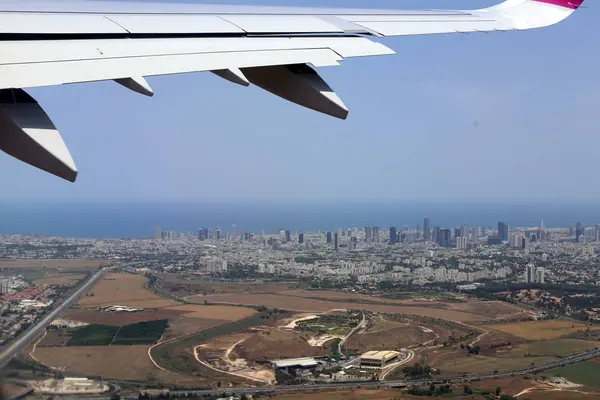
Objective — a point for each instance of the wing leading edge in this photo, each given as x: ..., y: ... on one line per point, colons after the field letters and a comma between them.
x: 49, y: 43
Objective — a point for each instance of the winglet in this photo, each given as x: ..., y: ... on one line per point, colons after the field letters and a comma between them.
x: 572, y: 4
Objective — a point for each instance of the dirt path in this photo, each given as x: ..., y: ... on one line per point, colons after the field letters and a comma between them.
x: 207, y: 365
x: 35, y: 346
x: 230, y: 349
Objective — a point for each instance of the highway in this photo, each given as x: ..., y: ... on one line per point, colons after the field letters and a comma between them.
x: 383, y: 384
x: 33, y: 332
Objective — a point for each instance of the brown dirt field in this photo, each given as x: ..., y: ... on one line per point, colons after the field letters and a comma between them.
x: 541, y: 330
x: 490, y: 309
x: 52, y: 264
x: 497, y: 338
x: 155, y: 304
x: 184, y: 286
x: 62, y: 279
x: 184, y: 326
x: 119, y: 319
x: 117, y: 288
x: 390, y: 339
x: 311, y: 305
x: 574, y: 394
x: 116, y: 362
x: 273, y: 345
x: 510, y: 385
x: 596, y: 360
x: 53, y: 339
x: 225, y: 313
x: 8, y: 390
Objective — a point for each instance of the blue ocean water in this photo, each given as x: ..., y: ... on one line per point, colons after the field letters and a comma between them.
x: 118, y: 220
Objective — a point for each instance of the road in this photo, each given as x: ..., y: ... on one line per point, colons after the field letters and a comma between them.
x: 379, y: 384
x: 362, y: 324
x: 33, y: 332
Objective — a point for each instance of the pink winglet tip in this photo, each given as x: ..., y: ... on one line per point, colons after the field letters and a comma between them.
x: 572, y: 4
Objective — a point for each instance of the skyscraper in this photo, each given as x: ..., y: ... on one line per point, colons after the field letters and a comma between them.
x: 218, y: 233
x: 503, y: 230
x: 427, y: 229
x: 336, y: 239
x: 445, y: 238
x: 393, y: 235
x: 578, y: 232
x: 328, y: 237
x: 158, y: 232
x: 376, y: 234
x: 288, y: 236
x: 368, y: 234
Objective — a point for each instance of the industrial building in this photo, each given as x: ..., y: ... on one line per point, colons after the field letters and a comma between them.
x: 295, y: 363
x: 378, y: 359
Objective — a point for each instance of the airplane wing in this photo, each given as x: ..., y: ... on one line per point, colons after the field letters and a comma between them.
x: 275, y: 48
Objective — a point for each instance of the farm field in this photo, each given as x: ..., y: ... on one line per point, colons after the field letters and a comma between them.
x: 491, y: 309
x: 183, y: 286
x: 103, y: 335
x: 358, y: 394
x: 119, y: 319
x: 556, y: 348
x: 453, y: 363
x: 585, y: 373
x: 59, y: 279
x: 116, y: 362
x: 225, y: 313
x: 541, y: 330
x: 312, y: 305
x: 122, y: 289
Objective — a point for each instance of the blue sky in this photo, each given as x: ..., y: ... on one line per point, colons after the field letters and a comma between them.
x: 506, y: 116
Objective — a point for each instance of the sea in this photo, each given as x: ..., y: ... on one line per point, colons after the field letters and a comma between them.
x: 140, y: 219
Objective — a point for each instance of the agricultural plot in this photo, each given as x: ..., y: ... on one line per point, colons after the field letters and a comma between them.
x: 584, y: 373
x: 491, y: 309
x: 331, y: 324
x: 123, y: 362
x: 122, y: 289
x: 59, y: 279
x: 103, y: 335
x: 313, y: 305
x: 225, y: 313
x: 542, y: 330
x: 93, y: 335
x: 119, y: 319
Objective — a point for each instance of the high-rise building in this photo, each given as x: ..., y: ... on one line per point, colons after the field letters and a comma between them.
x: 427, y: 229
x: 445, y: 239
x: 462, y: 242
x: 336, y: 241
x: 503, y: 231
x: 368, y: 234
x: 234, y: 231
x: 578, y: 232
x: 349, y: 233
x: 376, y: 234
x: 288, y: 236
x: 4, y: 286
x: 540, y: 275
x: 301, y: 238
x: 158, y: 232
x: 218, y: 233
x: 524, y: 243
x: 393, y: 235
x: 436, y: 235
x: 530, y: 273
x: 589, y: 234
x: 329, y: 237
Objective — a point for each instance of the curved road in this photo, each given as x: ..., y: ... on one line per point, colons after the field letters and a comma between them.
x: 33, y: 332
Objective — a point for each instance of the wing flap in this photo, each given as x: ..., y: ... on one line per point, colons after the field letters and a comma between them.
x: 38, y: 23
x: 174, y: 24
x: 55, y: 62
x: 405, y: 28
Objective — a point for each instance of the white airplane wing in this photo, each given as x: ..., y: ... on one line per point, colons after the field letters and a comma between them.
x: 53, y: 43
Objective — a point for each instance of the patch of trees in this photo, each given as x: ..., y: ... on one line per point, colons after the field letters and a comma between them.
x: 430, y: 391
x: 420, y: 371
x: 471, y: 349
x: 498, y: 345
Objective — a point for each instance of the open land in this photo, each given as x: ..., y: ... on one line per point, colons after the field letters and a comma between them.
x: 541, y: 330
x: 314, y: 305
x: 123, y: 289
x: 585, y: 373
x: 59, y: 279
x: 458, y: 362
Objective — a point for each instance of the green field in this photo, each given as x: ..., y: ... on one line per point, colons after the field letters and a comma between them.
x: 93, y: 335
x: 585, y: 373
x: 104, y: 335
x: 142, y: 333
x: 555, y: 348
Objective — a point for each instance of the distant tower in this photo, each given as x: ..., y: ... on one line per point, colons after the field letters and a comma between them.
x: 158, y: 232
x: 301, y: 238
x: 376, y: 234
x: 368, y: 234
x: 393, y: 235
x: 427, y: 230
x: 336, y: 239
x: 328, y: 237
